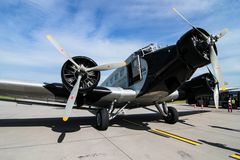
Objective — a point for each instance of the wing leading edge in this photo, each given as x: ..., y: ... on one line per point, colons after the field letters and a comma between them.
x: 56, y: 94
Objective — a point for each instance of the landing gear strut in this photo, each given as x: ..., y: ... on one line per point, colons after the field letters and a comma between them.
x: 170, y: 114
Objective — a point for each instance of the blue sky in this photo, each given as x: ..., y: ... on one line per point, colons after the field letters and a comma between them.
x: 106, y: 31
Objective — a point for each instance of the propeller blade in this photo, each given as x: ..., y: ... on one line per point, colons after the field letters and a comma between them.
x: 221, y: 34
x: 107, y: 66
x: 217, y: 74
x: 61, y: 50
x: 71, y: 99
x: 216, y: 96
x: 215, y: 65
x: 176, y: 11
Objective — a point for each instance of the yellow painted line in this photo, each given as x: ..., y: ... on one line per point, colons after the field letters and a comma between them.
x: 157, y: 131
x: 236, y: 156
x: 175, y: 136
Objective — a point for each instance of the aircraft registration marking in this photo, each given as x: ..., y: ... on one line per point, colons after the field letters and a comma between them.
x: 235, y: 156
x: 157, y: 131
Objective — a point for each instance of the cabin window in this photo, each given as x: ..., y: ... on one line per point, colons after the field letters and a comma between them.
x: 134, y: 71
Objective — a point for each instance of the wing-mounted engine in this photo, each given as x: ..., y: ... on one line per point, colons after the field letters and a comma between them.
x: 80, y: 74
x: 198, y: 86
x: 194, y: 48
x: 70, y: 74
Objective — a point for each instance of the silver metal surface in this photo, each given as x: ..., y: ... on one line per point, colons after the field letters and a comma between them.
x: 34, y: 91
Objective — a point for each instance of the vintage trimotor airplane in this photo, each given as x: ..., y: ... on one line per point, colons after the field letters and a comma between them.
x: 149, y: 76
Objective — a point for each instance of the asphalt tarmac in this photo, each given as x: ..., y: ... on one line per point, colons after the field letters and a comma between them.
x: 37, y: 132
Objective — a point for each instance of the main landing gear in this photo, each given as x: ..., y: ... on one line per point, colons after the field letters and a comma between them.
x: 170, y: 114
x: 102, y: 118
x: 104, y: 115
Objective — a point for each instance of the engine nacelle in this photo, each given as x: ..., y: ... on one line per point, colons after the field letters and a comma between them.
x: 70, y: 74
x: 194, y: 49
x: 199, y: 86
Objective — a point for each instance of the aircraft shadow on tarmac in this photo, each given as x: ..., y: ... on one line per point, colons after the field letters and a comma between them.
x: 225, y: 128
x: 220, y: 145
x: 140, y: 122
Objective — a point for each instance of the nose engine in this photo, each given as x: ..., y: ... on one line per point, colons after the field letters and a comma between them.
x: 194, y: 49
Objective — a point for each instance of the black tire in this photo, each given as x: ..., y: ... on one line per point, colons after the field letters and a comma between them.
x: 102, y: 119
x: 172, y: 117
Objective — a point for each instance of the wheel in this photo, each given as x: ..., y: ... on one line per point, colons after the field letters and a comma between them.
x: 172, y: 116
x: 102, y: 119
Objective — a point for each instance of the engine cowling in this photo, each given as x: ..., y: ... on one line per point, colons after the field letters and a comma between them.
x: 70, y: 74
x: 194, y: 49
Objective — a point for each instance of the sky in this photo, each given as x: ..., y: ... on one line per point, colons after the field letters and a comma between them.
x: 107, y: 31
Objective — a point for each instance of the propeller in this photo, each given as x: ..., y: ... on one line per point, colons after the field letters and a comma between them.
x: 80, y: 69
x: 211, y: 40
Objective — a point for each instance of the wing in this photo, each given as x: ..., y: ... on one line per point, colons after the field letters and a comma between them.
x: 48, y: 94
x: 56, y: 94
